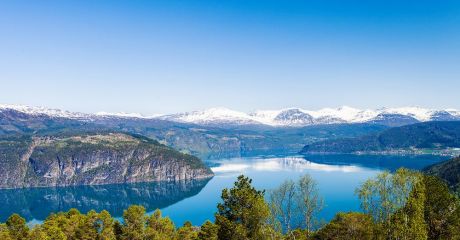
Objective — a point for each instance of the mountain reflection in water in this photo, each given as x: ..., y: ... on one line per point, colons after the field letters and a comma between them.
x: 38, y: 203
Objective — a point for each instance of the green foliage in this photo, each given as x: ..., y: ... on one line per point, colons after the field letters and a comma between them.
x: 385, y: 194
x: 449, y: 171
x: 4, y: 232
x: 427, y: 135
x: 408, y: 222
x: 187, y: 232
x: 134, y: 223
x: 159, y: 227
x: 243, y: 214
x: 38, y: 233
x: 208, y: 231
x: 17, y: 227
x: 442, y: 210
x: 348, y: 226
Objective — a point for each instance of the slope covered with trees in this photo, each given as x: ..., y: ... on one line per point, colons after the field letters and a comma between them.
x: 449, y: 171
x: 429, y: 135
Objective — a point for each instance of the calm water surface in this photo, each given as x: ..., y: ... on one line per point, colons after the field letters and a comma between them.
x: 337, y: 177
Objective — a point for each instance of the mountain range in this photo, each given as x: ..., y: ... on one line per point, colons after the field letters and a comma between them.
x: 290, y: 117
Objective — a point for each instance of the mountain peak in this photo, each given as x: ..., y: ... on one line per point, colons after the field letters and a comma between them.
x: 283, y: 117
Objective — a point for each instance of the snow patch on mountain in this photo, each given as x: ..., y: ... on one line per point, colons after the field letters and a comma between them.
x: 36, y: 111
x: 288, y: 117
x: 210, y: 116
x: 126, y: 115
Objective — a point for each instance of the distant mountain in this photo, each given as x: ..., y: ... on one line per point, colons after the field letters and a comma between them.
x: 205, y: 139
x: 393, y: 119
x: 428, y: 135
x: 449, y: 171
x: 290, y: 117
x: 295, y: 117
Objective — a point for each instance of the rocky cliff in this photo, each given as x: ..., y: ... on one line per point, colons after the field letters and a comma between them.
x: 92, y: 159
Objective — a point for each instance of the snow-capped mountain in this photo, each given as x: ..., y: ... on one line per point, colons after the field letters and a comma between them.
x: 212, y: 116
x: 290, y: 117
x: 300, y: 117
x: 43, y: 111
x: 57, y: 113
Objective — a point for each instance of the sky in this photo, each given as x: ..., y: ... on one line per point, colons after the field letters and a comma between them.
x: 167, y: 56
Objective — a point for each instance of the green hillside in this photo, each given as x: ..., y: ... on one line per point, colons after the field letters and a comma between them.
x: 429, y: 135
x: 449, y: 171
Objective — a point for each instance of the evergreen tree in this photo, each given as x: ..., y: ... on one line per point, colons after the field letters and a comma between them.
x: 105, y: 226
x: 159, y: 227
x: 37, y: 233
x: 348, y: 226
x: 4, y: 232
x: 243, y: 214
x: 208, y: 231
x: 134, y: 223
x: 187, y: 232
x: 17, y: 227
x: 442, y: 210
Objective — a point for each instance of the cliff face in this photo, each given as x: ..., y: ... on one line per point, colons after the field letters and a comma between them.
x: 92, y: 159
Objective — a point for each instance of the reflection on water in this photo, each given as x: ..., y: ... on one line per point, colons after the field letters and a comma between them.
x: 337, y: 175
x: 37, y: 203
x: 383, y: 162
x: 279, y: 164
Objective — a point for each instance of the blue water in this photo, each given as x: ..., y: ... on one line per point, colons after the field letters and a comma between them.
x: 337, y: 176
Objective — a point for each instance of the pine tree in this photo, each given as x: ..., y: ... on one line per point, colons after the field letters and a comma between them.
x: 208, y: 231
x: 159, y: 227
x: 17, y: 227
x: 134, y: 223
x: 243, y: 214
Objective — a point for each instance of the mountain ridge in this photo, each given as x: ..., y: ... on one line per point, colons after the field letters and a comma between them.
x: 287, y: 117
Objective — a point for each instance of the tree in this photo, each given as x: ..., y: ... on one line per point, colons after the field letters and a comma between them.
x: 208, y: 231
x: 159, y: 227
x: 105, y: 226
x: 281, y: 202
x: 17, y: 227
x: 187, y: 232
x: 38, y: 233
x: 385, y: 194
x: 309, y: 202
x: 243, y: 213
x: 348, y: 226
x: 134, y: 223
x: 4, y: 232
x: 408, y: 222
x: 442, y: 210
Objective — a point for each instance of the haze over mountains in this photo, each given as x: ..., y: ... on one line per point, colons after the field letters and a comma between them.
x: 290, y: 117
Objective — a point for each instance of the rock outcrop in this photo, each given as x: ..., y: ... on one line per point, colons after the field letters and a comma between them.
x: 92, y: 159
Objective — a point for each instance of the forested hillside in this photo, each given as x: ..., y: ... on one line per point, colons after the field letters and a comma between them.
x: 429, y: 135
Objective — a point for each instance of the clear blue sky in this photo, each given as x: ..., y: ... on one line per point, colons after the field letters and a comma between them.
x: 169, y: 56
